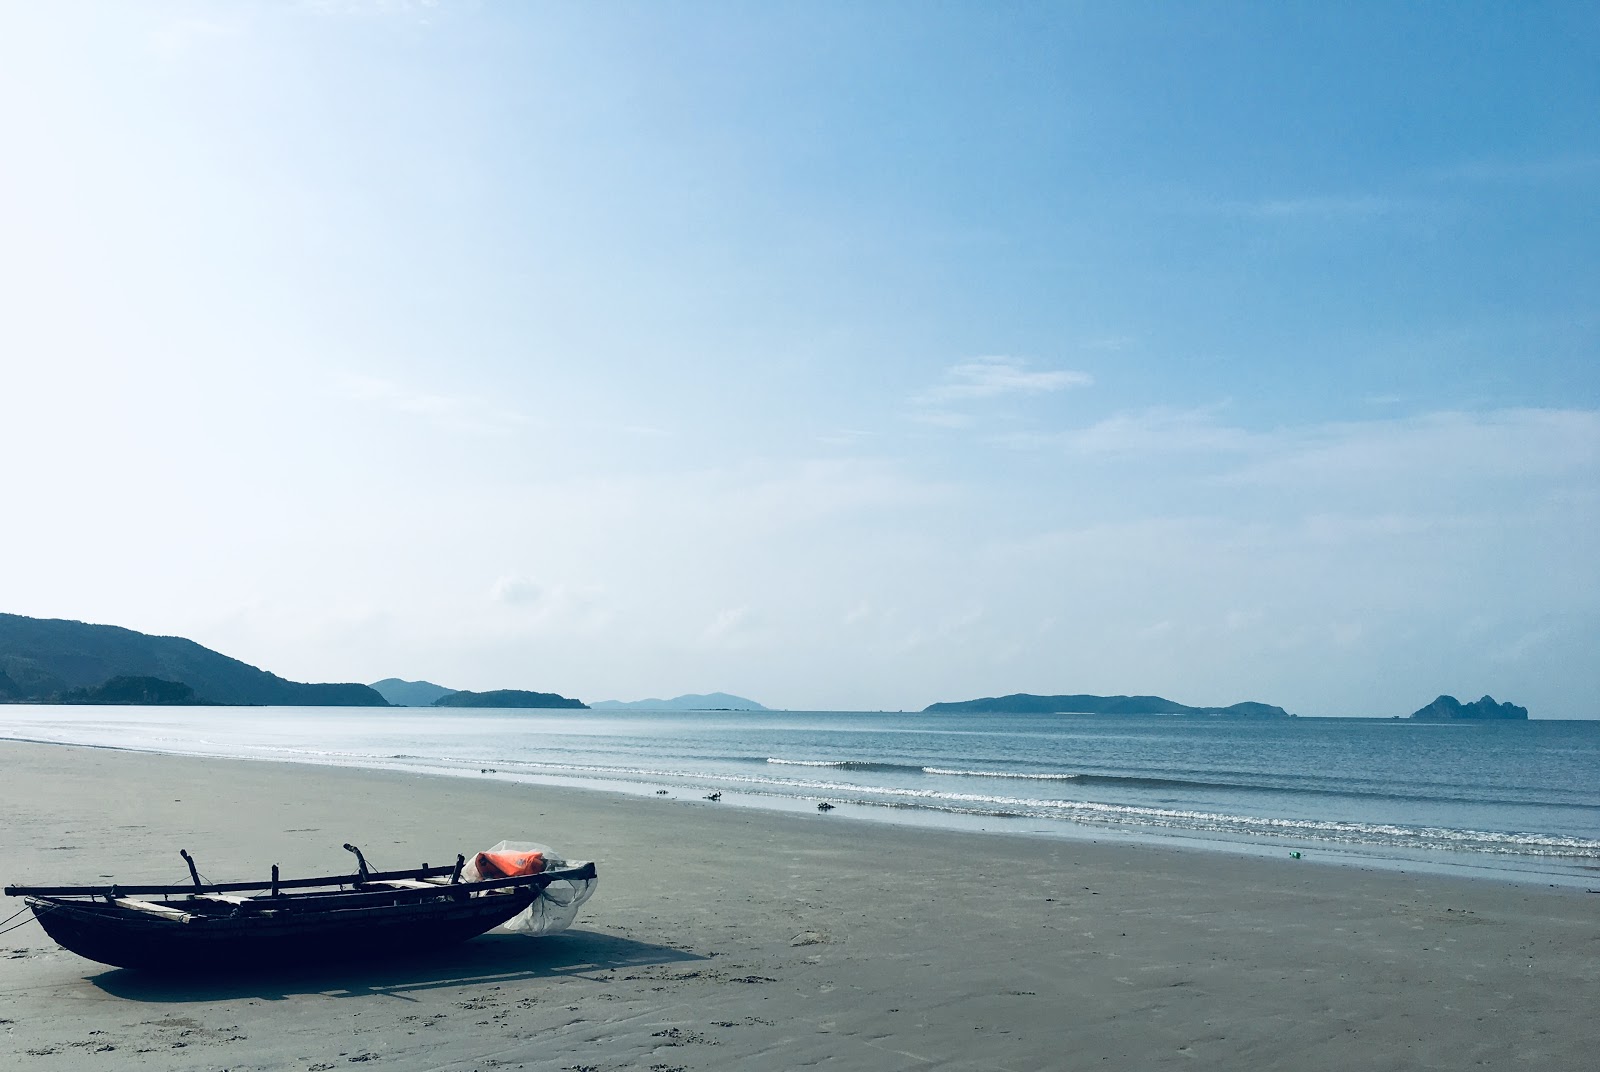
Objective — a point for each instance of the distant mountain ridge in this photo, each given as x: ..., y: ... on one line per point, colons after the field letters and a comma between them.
x: 1023, y: 703
x: 410, y: 693
x: 709, y: 701
x: 43, y: 660
x: 508, y: 698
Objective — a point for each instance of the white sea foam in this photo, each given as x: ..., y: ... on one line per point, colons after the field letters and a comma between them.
x: 1003, y: 774
x: 1100, y: 812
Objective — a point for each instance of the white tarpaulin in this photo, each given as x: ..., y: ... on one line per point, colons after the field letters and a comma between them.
x: 557, y: 904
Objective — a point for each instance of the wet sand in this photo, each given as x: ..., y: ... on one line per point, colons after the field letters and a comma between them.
x: 726, y: 938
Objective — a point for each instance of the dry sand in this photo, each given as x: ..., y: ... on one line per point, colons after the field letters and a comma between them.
x: 725, y: 938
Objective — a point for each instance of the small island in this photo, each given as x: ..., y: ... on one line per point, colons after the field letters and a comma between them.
x: 135, y: 689
x: 1450, y: 709
x: 712, y: 701
x: 1023, y: 703
x: 508, y: 698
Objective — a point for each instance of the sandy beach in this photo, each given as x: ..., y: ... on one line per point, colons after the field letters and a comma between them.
x: 725, y: 938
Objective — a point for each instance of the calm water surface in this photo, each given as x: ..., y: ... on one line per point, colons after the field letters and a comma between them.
x: 1515, y: 799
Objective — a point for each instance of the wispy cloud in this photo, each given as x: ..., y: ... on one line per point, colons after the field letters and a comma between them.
x: 1318, y: 207
x: 1429, y: 449
x: 981, y: 380
x: 1528, y: 172
x: 857, y: 614
x: 515, y: 590
x: 1479, y: 446
x: 950, y: 626
x: 550, y: 607
x: 993, y: 377
x: 1160, y: 430
x: 1528, y: 643
x: 942, y: 418
x: 813, y: 490
x: 417, y: 10
x: 1111, y: 344
x: 182, y: 36
x: 455, y: 412
x: 844, y: 437
x: 727, y: 628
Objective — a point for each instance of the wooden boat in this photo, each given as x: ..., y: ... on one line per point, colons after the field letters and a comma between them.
x: 224, y: 926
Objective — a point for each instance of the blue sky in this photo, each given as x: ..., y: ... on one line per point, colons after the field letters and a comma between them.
x: 833, y: 355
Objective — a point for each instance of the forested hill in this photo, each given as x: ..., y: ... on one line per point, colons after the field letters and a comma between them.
x: 42, y: 660
x: 1025, y: 703
x: 402, y: 693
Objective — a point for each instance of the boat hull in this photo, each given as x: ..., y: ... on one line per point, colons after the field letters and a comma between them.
x: 246, y: 940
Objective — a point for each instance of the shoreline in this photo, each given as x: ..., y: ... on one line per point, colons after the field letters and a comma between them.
x: 1466, y: 866
x: 725, y: 938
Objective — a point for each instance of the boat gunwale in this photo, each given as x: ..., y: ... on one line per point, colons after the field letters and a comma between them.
x: 360, y: 887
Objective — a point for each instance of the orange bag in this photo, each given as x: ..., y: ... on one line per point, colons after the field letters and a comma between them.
x: 509, y: 864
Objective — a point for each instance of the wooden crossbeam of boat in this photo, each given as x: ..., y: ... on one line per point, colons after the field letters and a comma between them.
x: 164, y: 911
x: 386, y: 894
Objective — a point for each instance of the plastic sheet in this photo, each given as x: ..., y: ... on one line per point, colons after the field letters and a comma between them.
x: 557, y: 904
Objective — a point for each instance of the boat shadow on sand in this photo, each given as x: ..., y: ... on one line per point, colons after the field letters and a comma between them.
x: 492, y: 958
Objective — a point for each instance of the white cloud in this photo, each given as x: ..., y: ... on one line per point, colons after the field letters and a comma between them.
x: 515, y: 589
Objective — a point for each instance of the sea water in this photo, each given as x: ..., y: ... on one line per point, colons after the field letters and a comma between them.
x: 1515, y: 799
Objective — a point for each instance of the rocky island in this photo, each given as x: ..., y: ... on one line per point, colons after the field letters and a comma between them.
x: 1450, y: 709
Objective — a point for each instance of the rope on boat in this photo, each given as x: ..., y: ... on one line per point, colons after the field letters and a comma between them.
x: 31, y: 919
